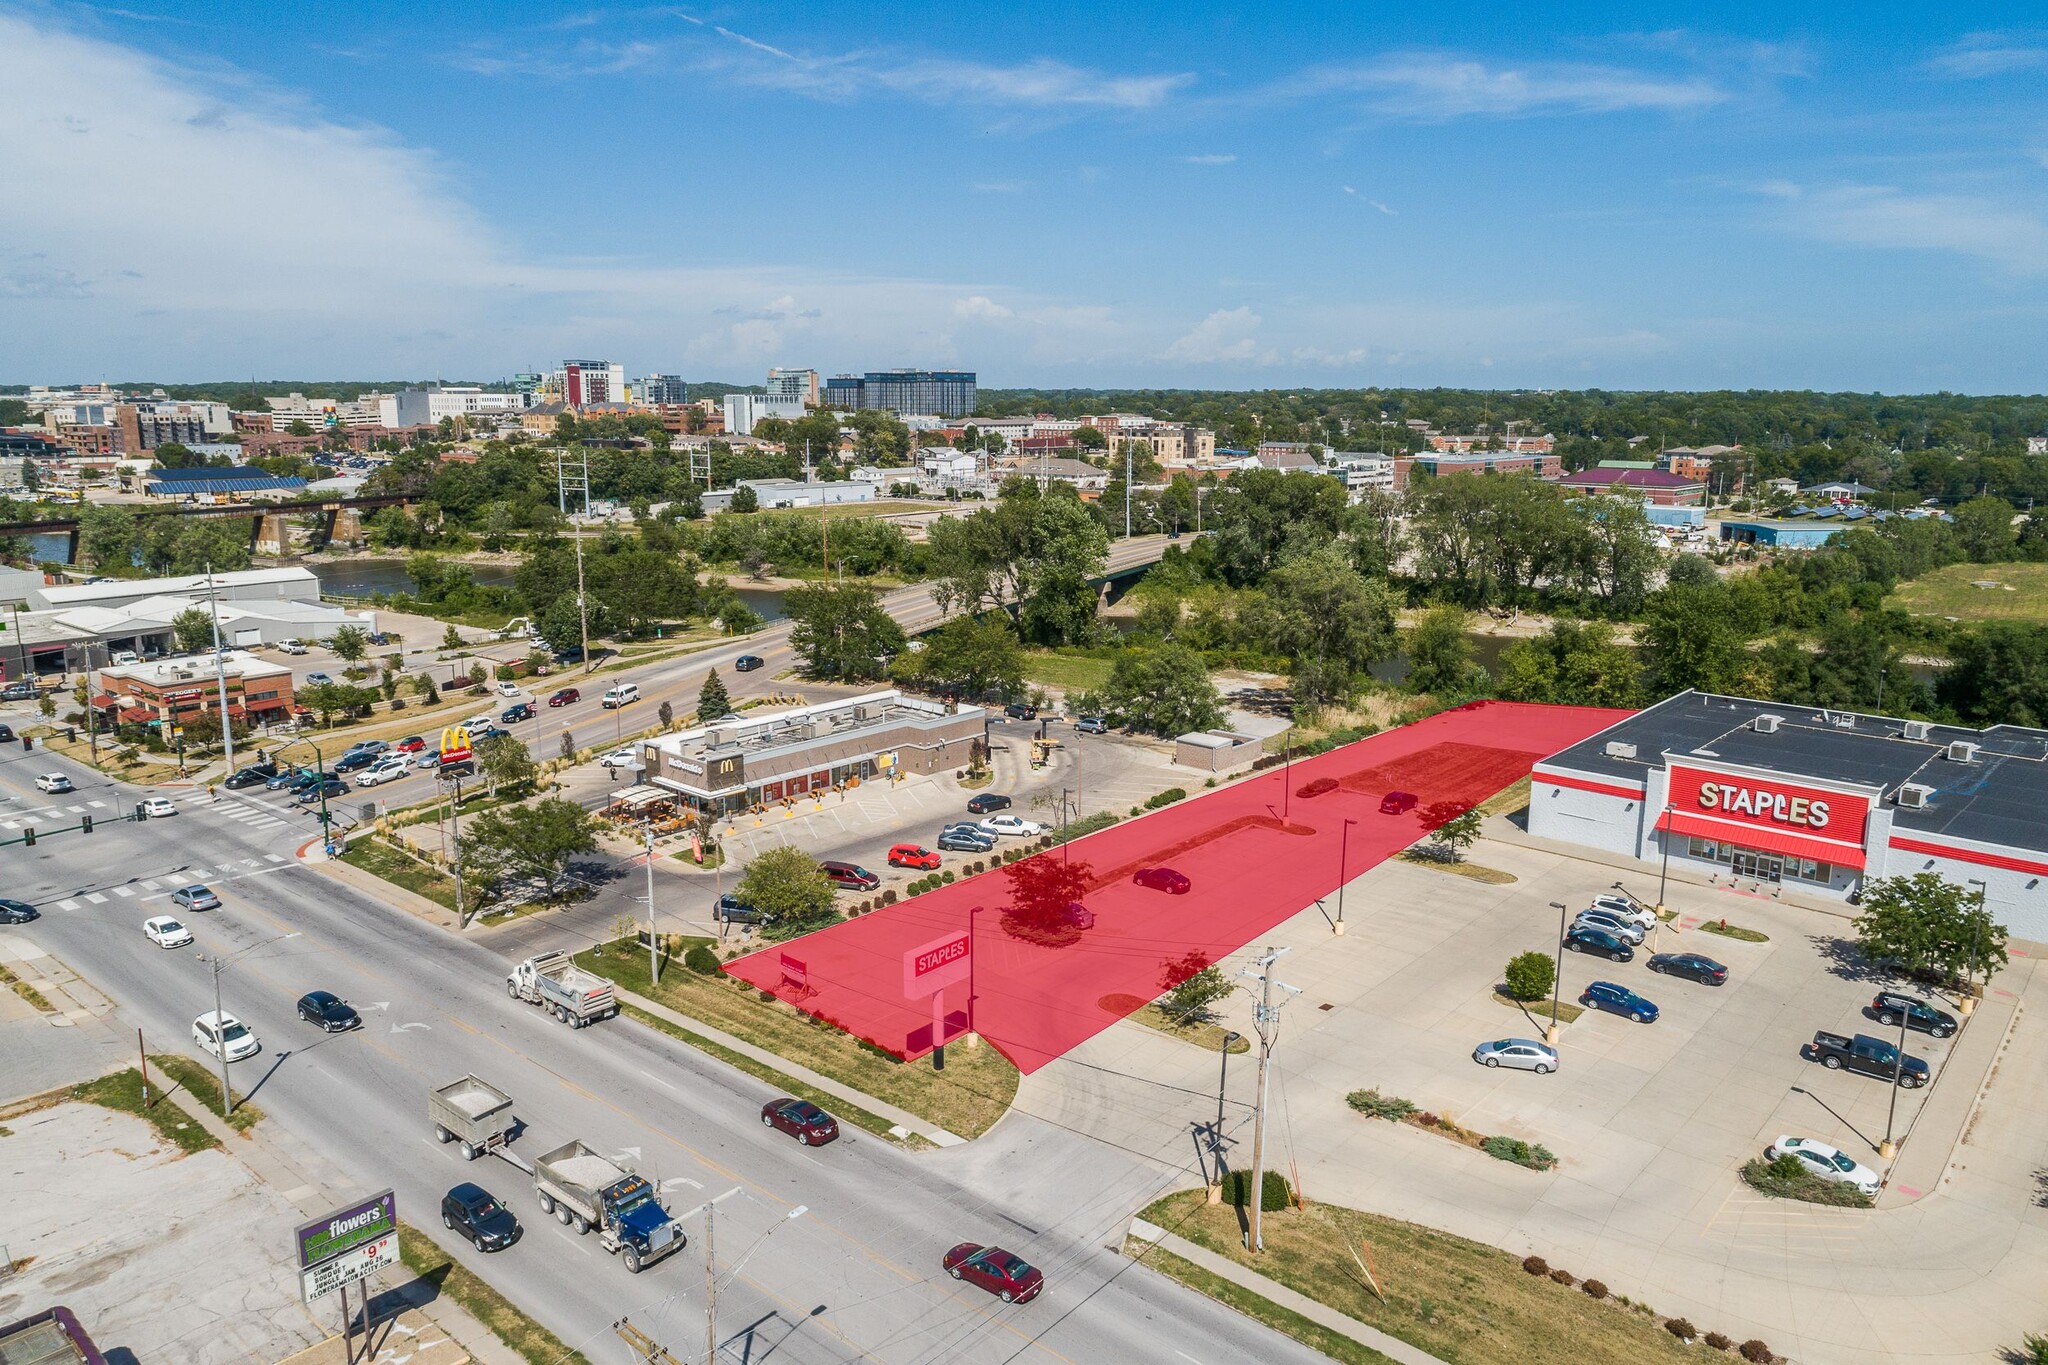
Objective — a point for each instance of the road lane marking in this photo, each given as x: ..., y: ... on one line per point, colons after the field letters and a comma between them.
x: 67, y: 905
x: 96, y: 898
x: 125, y: 892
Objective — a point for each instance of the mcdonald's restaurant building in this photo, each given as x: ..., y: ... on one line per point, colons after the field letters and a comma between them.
x: 766, y: 758
x: 1822, y: 801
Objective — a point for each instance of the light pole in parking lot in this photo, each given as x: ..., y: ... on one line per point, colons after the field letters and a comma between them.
x: 1556, y: 977
x: 1888, y: 1148
x: 1968, y: 1004
x: 1343, y: 850
x: 220, y: 964
x: 1216, y: 1133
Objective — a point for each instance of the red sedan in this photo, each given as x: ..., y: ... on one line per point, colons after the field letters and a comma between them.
x: 1163, y: 879
x: 411, y: 744
x: 565, y: 696
x: 913, y: 855
x: 801, y: 1119
x: 1002, y: 1273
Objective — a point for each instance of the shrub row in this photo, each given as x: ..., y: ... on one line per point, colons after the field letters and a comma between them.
x: 1166, y: 798
x: 1752, y: 1350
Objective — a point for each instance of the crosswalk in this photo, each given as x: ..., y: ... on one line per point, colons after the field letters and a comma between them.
x: 153, y: 888
x: 243, y: 812
x: 48, y: 815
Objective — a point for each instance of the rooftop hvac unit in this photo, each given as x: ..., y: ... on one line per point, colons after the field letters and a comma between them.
x: 1617, y: 748
x: 1842, y: 720
x: 1767, y: 724
x: 1913, y: 796
x: 1962, y: 751
x: 1918, y: 729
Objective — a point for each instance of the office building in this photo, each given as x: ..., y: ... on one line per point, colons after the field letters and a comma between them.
x: 944, y: 393
x: 426, y: 407
x: 580, y: 383
x: 795, y: 384
x: 744, y: 410
x: 662, y: 390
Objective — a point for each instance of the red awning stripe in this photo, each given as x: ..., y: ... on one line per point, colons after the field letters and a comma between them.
x: 1766, y: 840
x: 1587, y: 784
x: 1970, y: 855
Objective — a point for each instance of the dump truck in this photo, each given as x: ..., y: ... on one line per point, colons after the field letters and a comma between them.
x: 473, y: 1112
x: 585, y: 1190
x: 555, y: 983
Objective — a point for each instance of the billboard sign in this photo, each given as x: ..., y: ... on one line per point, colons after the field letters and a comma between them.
x: 934, y: 966
x: 455, y: 744
x: 345, y: 1229
x: 350, y: 1267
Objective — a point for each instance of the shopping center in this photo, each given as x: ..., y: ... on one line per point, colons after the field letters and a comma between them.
x: 1823, y: 801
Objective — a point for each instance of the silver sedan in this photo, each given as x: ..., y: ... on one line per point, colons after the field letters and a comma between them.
x: 1524, y: 1053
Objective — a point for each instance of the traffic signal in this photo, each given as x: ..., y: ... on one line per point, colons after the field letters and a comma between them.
x: 85, y: 824
x: 28, y: 836
x: 140, y: 815
x: 27, y: 743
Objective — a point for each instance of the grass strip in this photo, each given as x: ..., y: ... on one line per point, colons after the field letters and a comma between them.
x: 1069, y: 672
x: 384, y: 860
x: 837, y: 1107
x: 1209, y: 1037
x: 1734, y: 931
x: 535, y: 1344
x: 202, y: 1085
x: 1492, y: 876
x: 1566, y: 1010
x: 27, y: 992
x: 1259, y: 1308
x: 966, y: 1098
x: 123, y: 1091
x: 1460, y: 1300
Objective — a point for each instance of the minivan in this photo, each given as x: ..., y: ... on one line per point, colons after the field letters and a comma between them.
x: 619, y: 695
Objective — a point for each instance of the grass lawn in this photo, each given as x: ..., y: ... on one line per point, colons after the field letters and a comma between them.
x: 1262, y: 1309
x: 27, y: 992
x: 203, y: 1085
x: 1465, y: 1302
x: 1208, y: 1037
x: 380, y: 859
x: 1566, y: 1010
x: 123, y: 1091
x: 1734, y: 931
x: 1070, y: 672
x: 1507, y: 802
x: 966, y: 1098
x: 535, y: 1344
x: 1493, y: 876
x: 1947, y: 591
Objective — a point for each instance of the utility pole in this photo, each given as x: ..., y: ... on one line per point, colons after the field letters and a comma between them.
x: 455, y: 863
x: 567, y: 481
x: 220, y: 673
x: 1556, y: 975
x: 710, y: 1287
x: 1266, y: 1019
x: 1127, y: 490
x: 653, y: 954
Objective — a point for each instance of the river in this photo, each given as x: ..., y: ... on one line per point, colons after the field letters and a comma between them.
x: 368, y: 577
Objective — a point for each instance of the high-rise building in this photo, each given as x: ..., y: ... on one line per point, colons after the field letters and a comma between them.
x: 743, y: 411
x: 662, y: 390
x: 583, y: 382
x: 944, y: 393
x: 794, y: 384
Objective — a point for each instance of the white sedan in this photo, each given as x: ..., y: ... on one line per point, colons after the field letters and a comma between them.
x: 166, y: 932
x: 157, y: 807
x: 53, y: 782
x: 627, y: 757
x: 1010, y: 824
x: 508, y: 688
x: 1829, y: 1163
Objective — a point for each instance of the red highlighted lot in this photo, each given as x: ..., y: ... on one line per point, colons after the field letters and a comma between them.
x: 1044, y: 953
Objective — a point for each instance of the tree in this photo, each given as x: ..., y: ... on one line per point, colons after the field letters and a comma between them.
x: 1038, y: 550
x: 974, y: 655
x: 1261, y: 511
x: 666, y: 712
x: 1692, y: 571
x: 535, y: 842
x: 1457, y: 834
x: 1192, y: 985
x: 350, y: 644
x: 451, y: 638
x: 1997, y: 674
x: 1165, y: 691
x: 713, y: 700
x: 504, y: 762
x: 840, y: 632
x: 1330, y: 620
x: 1984, y: 527
x: 193, y: 628
x: 324, y: 699
x: 1697, y: 641
x: 477, y: 677
x: 1529, y: 976
x: 790, y: 890
x: 1573, y: 663
x: 107, y: 538
x: 1925, y: 924
x: 1090, y: 438
x: 1440, y: 654
x: 1620, y: 552
x: 745, y: 499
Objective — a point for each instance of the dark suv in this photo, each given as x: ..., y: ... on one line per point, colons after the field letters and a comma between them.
x: 729, y: 909
x: 1919, y: 1015
x: 476, y: 1213
x: 1021, y: 710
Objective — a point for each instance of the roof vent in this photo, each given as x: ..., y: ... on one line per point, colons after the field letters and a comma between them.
x: 1918, y: 729
x: 1617, y: 748
x: 1962, y: 751
x: 1913, y: 796
x: 1767, y: 724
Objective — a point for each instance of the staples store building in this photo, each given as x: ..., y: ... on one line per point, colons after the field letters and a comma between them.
x: 1821, y: 801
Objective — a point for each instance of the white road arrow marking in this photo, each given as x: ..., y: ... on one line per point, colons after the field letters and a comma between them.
x: 378, y: 1005
x: 408, y: 1028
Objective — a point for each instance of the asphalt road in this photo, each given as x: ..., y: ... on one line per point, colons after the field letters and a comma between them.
x: 855, y: 1277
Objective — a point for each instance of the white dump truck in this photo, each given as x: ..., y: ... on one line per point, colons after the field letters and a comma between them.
x: 473, y: 1112
x: 555, y: 983
x: 585, y: 1190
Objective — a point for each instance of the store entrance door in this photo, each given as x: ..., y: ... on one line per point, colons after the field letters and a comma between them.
x: 1763, y: 867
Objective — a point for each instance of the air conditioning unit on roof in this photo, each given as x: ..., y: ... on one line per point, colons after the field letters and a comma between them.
x: 1962, y: 751
x: 1913, y: 796
x: 1917, y: 729
x: 1767, y: 724
x: 1619, y: 748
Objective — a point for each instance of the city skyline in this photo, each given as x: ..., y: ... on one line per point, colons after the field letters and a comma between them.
x: 1069, y: 199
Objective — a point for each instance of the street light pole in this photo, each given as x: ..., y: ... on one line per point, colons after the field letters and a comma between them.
x: 1343, y: 853
x: 1557, y: 976
x: 653, y: 955
x: 1216, y: 1133
x: 220, y: 964
x: 1968, y: 1004
x: 220, y: 674
x: 1888, y: 1148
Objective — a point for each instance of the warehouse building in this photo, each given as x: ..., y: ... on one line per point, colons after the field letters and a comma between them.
x: 1823, y: 801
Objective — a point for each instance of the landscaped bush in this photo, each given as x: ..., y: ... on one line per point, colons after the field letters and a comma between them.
x: 1535, y: 1156
x: 1680, y: 1328
x: 701, y: 960
x: 1563, y: 1277
x: 1373, y: 1104
x: 1274, y: 1194
x: 1535, y: 1265
x: 1717, y: 1341
x: 1756, y: 1352
x: 1595, y: 1288
x: 1166, y: 798
x: 946, y: 877
x: 1785, y: 1178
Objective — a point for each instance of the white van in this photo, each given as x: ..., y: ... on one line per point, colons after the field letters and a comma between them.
x: 620, y: 694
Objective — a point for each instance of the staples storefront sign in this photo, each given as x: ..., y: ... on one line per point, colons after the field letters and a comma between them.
x: 1759, y: 812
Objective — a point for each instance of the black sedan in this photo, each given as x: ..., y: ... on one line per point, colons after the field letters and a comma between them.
x: 987, y: 803
x: 1704, y: 970
x: 17, y: 912
x: 329, y: 1011
x: 1582, y: 939
x: 1163, y: 879
x: 801, y: 1119
x: 354, y: 759
x: 476, y: 1213
x: 315, y: 790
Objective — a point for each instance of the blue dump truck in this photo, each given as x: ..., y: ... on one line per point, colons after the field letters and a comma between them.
x: 585, y: 1190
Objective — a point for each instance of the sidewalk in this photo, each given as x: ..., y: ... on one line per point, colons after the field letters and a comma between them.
x: 1320, y: 1314
x: 903, y: 1118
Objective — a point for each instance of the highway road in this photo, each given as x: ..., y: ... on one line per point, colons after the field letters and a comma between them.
x: 854, y: 1277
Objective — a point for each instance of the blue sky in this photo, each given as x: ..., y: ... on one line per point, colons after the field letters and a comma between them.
x: 1099, y: 195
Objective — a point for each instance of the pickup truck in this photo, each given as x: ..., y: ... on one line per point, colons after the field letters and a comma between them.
x: 585, y: 1190
x: 563, y: 989
x: 473, y: 1112
x: 1871, y: 1056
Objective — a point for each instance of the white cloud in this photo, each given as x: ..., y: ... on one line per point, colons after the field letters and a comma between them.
x: 1211, y: 159
x: 1435, y: 85
x: 1391, y: 213
x: 1980, y: 55
x: 979, y: 306
x: 1882, y: 216
x: 1225, y: 335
